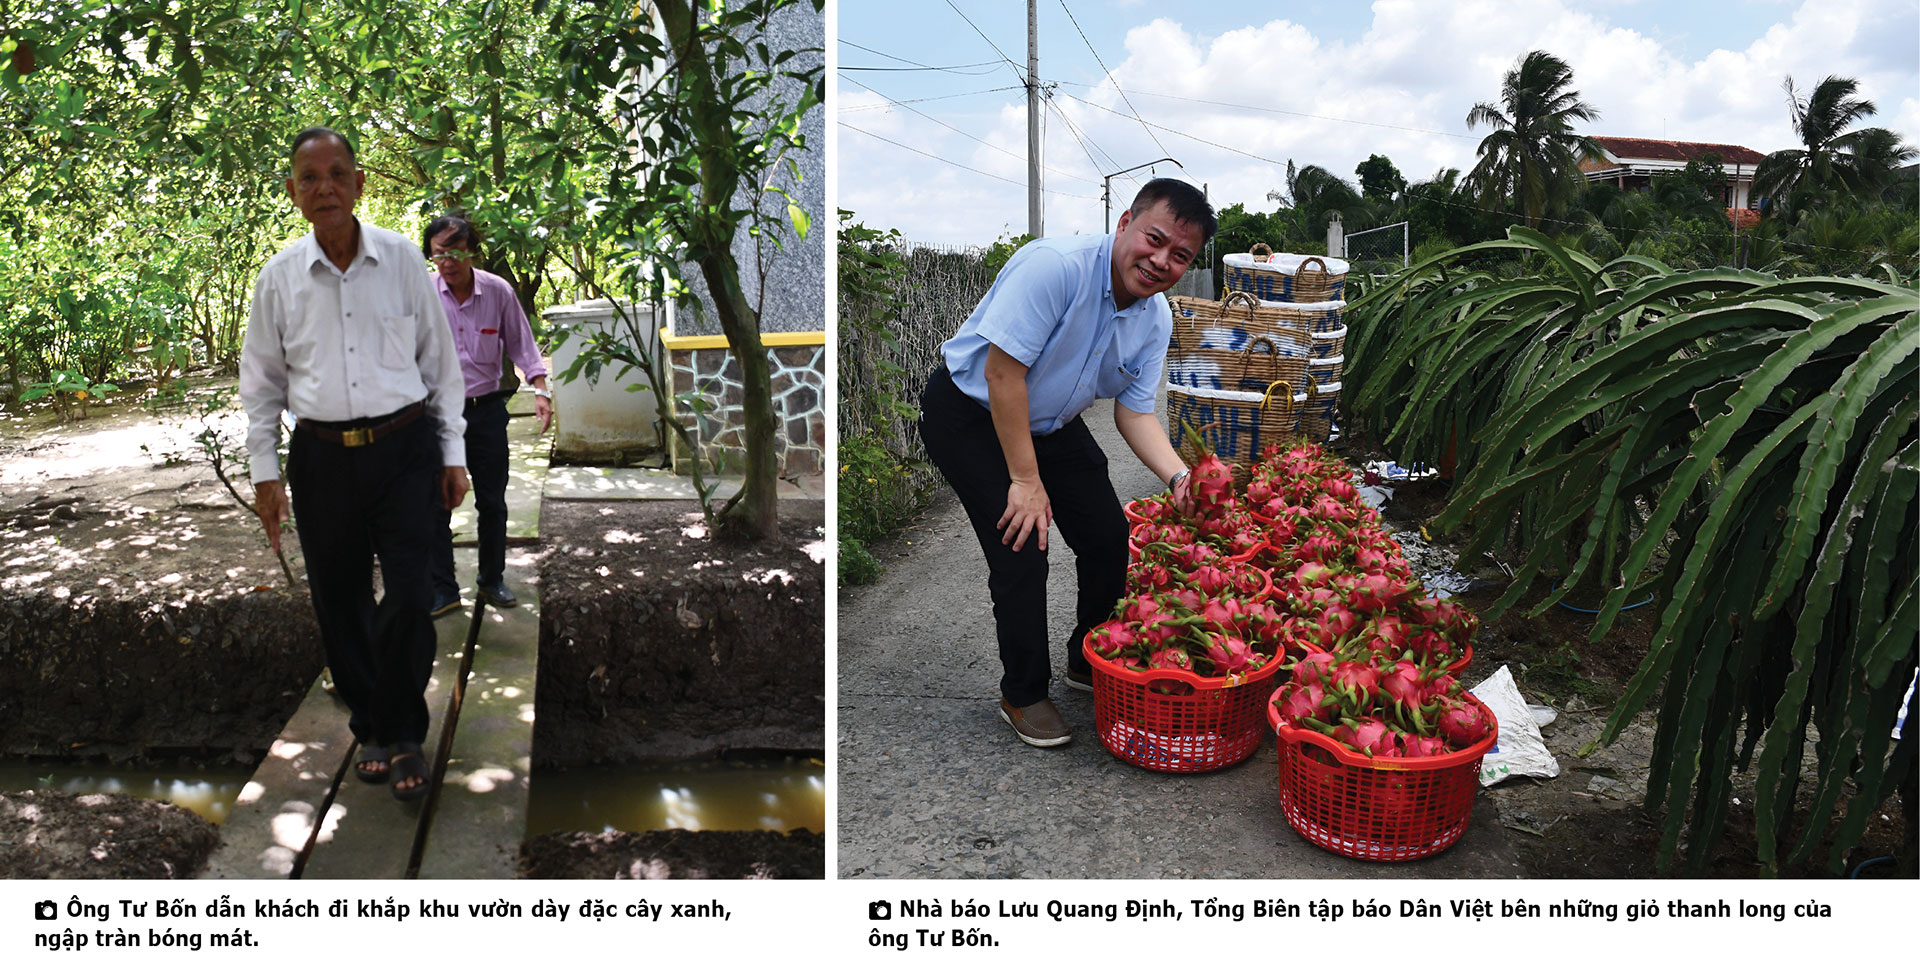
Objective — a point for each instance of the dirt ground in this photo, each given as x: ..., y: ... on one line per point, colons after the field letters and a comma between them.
x: 181, y: 634
x: 122, y: 504
x: 116, y: 536
x: 46, y: 834
x: 658, y: 644
x: 676, y: 854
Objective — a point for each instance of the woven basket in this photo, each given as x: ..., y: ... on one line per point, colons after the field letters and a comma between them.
x: 1316, y: 412
x: 1332, y: 343
x: 1237, y: 320
x: 1236, y: 424
x: 1255, y: 367
x: 1286, y: 277
x: 1325, y: 373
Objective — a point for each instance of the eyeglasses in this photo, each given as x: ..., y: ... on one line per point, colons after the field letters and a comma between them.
x: 451, y: 256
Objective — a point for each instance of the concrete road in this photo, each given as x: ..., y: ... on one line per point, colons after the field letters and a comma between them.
x: 933, y: 784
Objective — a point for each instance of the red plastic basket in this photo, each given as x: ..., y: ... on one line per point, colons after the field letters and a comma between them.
x: 1215, y: 724
x: 1376, y: 809
x: 1244, y: 557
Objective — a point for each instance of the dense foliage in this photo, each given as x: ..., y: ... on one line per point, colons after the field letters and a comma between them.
x: 1738, y: 443
x: 598, y: 153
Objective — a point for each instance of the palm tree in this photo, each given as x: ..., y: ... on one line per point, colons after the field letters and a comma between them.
x: 1532, y: 156
x: 1830, y: 158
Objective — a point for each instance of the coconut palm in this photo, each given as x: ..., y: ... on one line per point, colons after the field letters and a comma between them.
x: 1831, y: 158
x: 1532, y: 157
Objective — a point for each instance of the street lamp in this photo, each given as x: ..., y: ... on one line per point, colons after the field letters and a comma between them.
x: 1106, y: 185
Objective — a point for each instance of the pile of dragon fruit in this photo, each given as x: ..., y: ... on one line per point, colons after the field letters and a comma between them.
x: 1296, y: 564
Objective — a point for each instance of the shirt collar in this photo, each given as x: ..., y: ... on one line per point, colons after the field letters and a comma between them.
x: 315, y: 255
x: 441, y: 283
x: 1105, y: 264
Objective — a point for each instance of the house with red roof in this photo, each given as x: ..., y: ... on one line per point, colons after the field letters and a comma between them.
x: 1631, y: 163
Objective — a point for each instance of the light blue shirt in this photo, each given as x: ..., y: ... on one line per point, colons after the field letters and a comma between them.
x: 1052, y: 309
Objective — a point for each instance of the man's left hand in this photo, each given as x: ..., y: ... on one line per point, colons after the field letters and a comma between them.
x: 454, y: 486
x: 543, y: 412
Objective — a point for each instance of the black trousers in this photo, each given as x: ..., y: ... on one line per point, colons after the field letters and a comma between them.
x: 487, y: 464
x: 351, y: 504
x: 961, y: 442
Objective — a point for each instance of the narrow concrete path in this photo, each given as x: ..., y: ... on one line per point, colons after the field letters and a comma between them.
x: 476, y: 820
x: 932, y: 783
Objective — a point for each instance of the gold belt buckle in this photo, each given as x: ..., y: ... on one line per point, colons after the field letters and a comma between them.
x: 357, y: 437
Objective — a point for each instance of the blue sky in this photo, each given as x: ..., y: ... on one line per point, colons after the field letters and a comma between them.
x: 1233, y: 91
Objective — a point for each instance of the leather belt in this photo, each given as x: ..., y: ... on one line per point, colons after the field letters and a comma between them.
x: 502, y: 395
x: 362, y: 436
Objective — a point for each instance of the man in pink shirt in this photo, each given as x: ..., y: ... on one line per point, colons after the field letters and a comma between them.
x: 489, y: 328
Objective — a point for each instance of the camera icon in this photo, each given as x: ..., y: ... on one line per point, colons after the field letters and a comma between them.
x: 879, y: 910
x: 46, y: 910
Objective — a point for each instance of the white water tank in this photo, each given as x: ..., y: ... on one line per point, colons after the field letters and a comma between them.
x: 599, y: 420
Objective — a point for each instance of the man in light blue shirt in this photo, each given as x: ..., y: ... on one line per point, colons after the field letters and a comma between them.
x: 1068, y: 321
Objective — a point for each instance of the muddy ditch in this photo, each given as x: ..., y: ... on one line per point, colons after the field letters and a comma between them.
x: 657, y: 644
x: 143, y: 621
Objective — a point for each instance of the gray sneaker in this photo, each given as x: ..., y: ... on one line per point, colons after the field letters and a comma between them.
x: 1038, y: 724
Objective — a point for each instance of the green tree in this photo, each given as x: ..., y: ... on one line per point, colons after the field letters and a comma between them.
x: 1240, y: 229
x: 1831, y: 159
x: 1314, y: 193
x: 699, y: 90
x: 1531, y: 158
x: 1379, y: 178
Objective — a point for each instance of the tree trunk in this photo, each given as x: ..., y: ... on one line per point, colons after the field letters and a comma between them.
x: 753, y: 513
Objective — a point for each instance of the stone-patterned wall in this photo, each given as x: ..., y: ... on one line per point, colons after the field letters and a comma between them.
x: 799, y: 407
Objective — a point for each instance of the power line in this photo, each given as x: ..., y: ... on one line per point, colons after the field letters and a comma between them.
x: 962, y: 166
x: 954, y: 69
x: 1083, y: 141
x: 996, y: 47
x: 967, y: 135
x: 1182, y: 133
x: 916, y: 65
x: 1290, y: 113
x: 1109, y: 74
x: 902, y: 103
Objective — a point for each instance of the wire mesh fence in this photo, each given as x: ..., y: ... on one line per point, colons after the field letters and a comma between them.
x: 883, y: 363
x: 1379, y: 251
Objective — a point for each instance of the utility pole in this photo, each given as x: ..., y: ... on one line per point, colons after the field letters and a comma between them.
x: 1106, y: 184
x: 1035, y: 210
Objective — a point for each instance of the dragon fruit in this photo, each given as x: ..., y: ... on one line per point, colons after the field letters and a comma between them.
x: 1463, y: 724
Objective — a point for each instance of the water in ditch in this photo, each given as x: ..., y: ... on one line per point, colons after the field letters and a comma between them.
x: 777, y: 794
x: 209, y: 793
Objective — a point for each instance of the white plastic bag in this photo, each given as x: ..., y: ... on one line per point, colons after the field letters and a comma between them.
x: 1520, y: 749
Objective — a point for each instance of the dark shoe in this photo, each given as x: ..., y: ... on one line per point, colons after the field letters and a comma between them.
x: 374, y: 764
x: 444, y: 604
x: 499, y: 595
x: 1038, y: 724
x: 1080, y: 680
x: 411, y: 776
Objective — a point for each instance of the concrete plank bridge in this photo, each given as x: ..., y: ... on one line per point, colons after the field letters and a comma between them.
x: 304, y: 814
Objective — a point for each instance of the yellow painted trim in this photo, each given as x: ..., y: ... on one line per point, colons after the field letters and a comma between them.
x: 809, y: 338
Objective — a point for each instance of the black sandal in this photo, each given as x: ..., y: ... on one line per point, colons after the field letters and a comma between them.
x: 373, y: 754
x: 409, y: 763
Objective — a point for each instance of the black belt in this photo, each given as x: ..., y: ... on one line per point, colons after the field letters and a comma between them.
x: 364, y: 431
x: 473, y: 402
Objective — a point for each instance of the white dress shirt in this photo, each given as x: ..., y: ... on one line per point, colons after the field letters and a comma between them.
x: 334, y: 344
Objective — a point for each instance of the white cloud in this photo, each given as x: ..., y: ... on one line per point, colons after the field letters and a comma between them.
x: 1402, y: 89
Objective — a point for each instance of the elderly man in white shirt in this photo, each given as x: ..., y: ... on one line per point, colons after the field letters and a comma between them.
x: 347, y: 333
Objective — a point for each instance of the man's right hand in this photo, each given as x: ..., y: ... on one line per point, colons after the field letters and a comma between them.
x: 1028, y: 512
x: 270, y: 502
